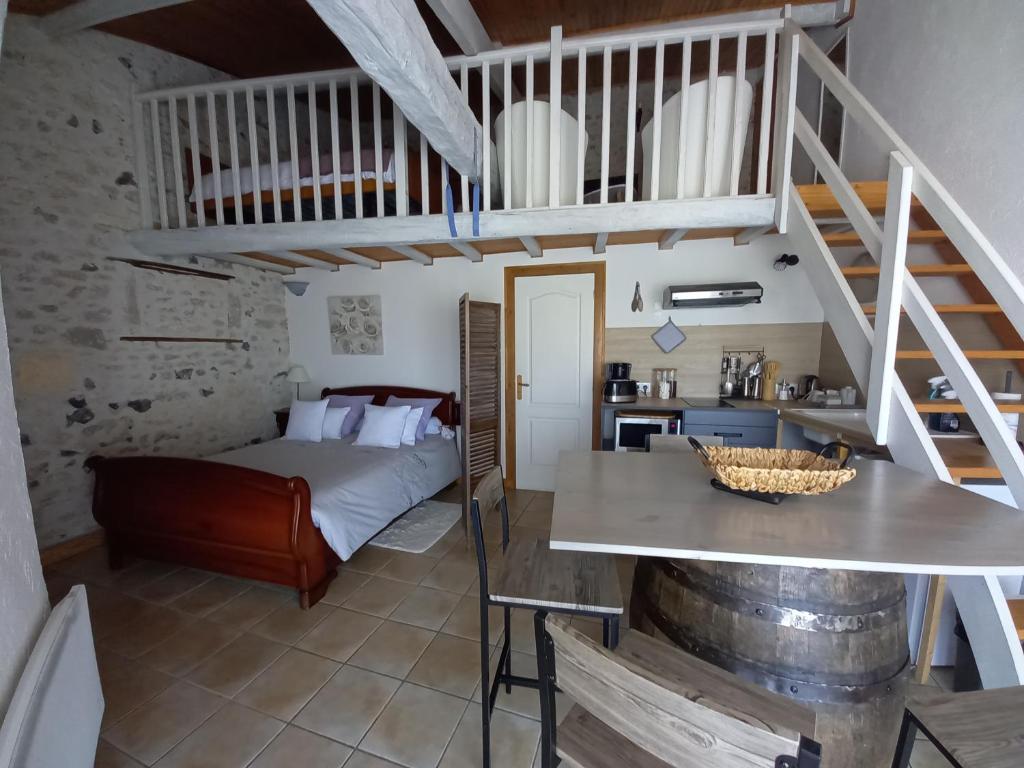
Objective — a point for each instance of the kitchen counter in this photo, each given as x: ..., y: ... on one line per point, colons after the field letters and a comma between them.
x: 847, y: 424
x: 649, y: 404
x: 695, y: 401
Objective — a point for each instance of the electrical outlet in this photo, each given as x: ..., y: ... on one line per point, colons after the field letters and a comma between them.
x: 643, y: 388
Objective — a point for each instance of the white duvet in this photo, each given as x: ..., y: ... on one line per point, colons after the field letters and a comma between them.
x: 356, y: 491
x: 286, y: 174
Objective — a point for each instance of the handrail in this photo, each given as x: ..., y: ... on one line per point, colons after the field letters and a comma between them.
x: 1004, y: 285
x: 910, y: 446
x: 948, y: 354
x: 540, y: 51
x: 268, y: 182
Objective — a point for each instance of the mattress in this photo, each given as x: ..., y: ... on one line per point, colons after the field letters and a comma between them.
x: 286, y: 174
x: 356, y: 491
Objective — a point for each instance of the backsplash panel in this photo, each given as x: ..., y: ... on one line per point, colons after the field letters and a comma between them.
x: 698, y: 360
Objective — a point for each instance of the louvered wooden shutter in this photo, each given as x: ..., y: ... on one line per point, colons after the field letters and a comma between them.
x: 480, y: 349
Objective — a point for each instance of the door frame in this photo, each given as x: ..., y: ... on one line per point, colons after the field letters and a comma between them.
x: 595, y: 268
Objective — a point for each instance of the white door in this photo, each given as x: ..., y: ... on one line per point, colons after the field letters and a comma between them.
x: 554, y: 358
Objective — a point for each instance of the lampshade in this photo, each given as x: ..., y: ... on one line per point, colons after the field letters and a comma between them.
x: 297, y: 375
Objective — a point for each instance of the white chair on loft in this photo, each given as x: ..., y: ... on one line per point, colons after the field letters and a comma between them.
x: 540, y: 160
x: 694, y: 149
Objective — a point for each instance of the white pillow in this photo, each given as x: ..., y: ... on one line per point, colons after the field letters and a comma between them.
x: 333, y: 420
x: 434, y: 426
x: 383, y: 427
x: 412, y: 422
x: 306, y: 420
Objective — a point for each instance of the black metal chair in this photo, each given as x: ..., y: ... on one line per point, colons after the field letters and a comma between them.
x: 978, y: 729
x: 533, y: 576
x: 651, y: 705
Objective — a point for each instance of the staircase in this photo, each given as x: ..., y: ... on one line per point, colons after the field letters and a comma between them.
x: 964, y: 458
x: 883, y: 219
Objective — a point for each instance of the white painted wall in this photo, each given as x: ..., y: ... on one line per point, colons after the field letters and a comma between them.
x: 420, y: 317
x: 948, y: 76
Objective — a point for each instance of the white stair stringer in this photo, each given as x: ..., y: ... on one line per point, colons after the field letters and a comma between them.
x: 998, y: 277
x: 980, y: 599
x: 909, y: 442
x: 948, y: 354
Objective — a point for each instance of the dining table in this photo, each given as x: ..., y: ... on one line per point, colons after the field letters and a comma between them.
x: 702, y: 552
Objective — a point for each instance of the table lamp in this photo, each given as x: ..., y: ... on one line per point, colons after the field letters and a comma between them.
x: 297, y: 375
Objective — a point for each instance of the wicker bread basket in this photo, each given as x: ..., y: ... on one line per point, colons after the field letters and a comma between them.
x: 776, y: 470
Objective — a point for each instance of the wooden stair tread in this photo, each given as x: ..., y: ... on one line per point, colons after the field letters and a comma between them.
x: 1017, y: 611
x: 970, y: 354
x: 967, y: 459
x: 951, y: 309
x: 918, y: 270
x: 822, y: 203
x: 914, y: 237
x: 585, y: 741
x: 955, y: 406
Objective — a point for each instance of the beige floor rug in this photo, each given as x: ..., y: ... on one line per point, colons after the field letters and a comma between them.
x: 420, y: 528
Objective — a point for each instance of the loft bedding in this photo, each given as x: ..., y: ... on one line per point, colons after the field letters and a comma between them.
x: 285, y: 174
x: 355, y: 491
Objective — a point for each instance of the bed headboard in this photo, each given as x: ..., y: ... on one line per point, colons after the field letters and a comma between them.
x: 447, y: 410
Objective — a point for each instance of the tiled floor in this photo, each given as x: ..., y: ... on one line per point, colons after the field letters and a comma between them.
x: 202, y: 670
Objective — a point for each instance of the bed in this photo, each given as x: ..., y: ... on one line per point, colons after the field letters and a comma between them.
x: 275, y: 512
x: 366, y: 187
x: 330, y: 208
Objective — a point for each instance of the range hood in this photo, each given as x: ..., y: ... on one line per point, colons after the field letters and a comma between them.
x: 712, y: 295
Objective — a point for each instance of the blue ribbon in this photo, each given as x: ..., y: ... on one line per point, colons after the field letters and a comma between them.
x: 449, y: 200
x: 476, y: 210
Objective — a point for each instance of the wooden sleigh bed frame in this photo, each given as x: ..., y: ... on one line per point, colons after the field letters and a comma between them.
x: 225, y: 518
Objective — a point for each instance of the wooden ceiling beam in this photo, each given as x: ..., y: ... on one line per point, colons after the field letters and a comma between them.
x: 411, y: 253
x: 670, y: 238
x: 692, y: 213
x: 467, y: 250
x: 391, y: 43
x: 306, y: 261
x: 462, y: 23
x: 355, y: 258
x: 91, y: 13
x: 248, y: 261
x: 748, y: 235
x: 532, y: 246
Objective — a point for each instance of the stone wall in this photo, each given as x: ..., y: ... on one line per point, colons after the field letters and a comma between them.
x: 67, y: 198
x: 23, y: 600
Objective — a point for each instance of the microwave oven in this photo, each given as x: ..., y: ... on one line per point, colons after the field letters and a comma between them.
x: 632, y: 428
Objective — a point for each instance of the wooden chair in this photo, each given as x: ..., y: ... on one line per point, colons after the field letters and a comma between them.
x: 533, y: 576
x: 651, y: 705
x: 679, y: 443
x: 979, y: 729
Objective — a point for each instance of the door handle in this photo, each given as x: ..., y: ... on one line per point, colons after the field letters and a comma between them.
x: 519, y: 386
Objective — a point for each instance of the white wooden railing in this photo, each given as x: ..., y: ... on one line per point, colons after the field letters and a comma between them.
x: 871, y: 352
x: 295, y: 125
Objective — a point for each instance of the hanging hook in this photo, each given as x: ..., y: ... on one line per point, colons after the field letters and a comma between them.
x: 638, y: 300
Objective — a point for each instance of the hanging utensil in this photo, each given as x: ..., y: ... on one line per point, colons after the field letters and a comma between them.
x: 638, y: 300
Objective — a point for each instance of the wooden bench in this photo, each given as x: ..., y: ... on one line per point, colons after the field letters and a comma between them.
x: 649, y: 704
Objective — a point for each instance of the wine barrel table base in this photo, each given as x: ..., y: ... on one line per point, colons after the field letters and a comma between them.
x: 833, y: 639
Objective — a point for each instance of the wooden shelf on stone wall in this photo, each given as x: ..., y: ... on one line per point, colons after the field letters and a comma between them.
x: 172, y: 269
x: 183, y: 339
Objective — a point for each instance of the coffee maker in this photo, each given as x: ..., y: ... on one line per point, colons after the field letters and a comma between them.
x: 618, y: 387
